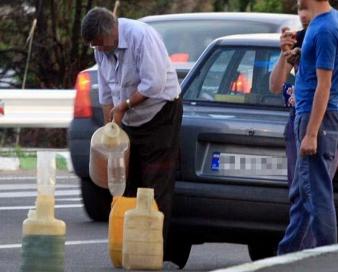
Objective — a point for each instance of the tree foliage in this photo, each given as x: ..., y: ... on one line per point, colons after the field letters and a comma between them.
x: 58, y: 52
x: 268, y: 6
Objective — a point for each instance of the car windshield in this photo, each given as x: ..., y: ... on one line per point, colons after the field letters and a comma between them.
x: 186, y: 40
x: 235, y: 75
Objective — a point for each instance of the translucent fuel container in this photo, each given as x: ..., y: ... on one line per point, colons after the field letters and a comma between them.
x: 109, y: 158
x: 142, y: 247
x: 43, y: 241
x: 119, y: 206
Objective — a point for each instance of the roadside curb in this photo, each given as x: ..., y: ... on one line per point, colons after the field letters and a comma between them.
x: 9, y: 164
x: 322, y: 259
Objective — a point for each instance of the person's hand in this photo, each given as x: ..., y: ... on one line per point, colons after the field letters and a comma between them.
x: 308, y: 145
x: 291, y: 100
x: 287, y: 39
x: 117, y: 114
x: 293, y: 56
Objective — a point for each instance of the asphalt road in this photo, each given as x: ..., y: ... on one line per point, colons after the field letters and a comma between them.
x: 86, y: 246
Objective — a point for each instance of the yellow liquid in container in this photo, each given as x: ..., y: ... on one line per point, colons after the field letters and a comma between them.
x: 119, y: 206
x: 142, y: 235
x: 43, y: 239
x: 109, y: 158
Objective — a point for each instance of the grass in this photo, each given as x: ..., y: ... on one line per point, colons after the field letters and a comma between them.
x: 28, y: 159
x: 27, y: 163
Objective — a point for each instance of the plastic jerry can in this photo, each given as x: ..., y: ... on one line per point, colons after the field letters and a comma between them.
x: 119, y: 206
x: 109, y: 158
x: 43, y: 242
x: 142, y: 234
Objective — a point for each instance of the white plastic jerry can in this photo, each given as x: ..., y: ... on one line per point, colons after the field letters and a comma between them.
x: 142, y: 246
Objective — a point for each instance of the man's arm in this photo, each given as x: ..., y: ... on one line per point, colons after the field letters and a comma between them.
x: 118, y: 112
x: 279, y: 74
x: 320, y: 101
x: 107, y: 117
x: 105, y: 97
x: 152, y: 64
x: 326, y: 48
x: 281, y: 71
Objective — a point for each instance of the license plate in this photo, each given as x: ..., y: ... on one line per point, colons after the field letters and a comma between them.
x: 231, y: 164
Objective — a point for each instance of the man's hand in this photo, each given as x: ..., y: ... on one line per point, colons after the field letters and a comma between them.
x: 287, y: 39
x: 291, y: 100
x: 308, y: 145
x: 293, y: 56
x: 118, y: 112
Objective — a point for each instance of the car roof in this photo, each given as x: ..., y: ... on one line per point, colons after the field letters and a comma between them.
x: 265, y: 39
x: 272, y: 18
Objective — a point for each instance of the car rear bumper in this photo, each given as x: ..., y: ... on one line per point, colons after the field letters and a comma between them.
x: 229, y: 213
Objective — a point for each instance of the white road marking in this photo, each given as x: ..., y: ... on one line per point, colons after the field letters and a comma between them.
x: 86, y: 242
x: 34, y: 193
x: 34, y: 177
x: 68, y: 199
x: 32, y: 186
x: 68, y: 243
x: 58, y: 206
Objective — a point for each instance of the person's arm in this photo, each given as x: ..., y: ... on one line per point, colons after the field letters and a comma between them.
x: 107, y: 113
x: 326, y: 48
x: 118, y: 112
x: 320, y: 101
x: 279, y: 74
x: 105, y: 97
x: 281, y: 71
x: 152, y: 63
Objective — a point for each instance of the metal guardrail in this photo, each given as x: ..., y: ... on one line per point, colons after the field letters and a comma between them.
x: 40, y: 108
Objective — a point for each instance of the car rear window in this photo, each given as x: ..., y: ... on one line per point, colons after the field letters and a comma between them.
x: 186, y: 40
x: 237, y: 75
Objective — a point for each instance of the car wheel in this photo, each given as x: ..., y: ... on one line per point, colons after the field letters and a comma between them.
x: 96, y: 200
x: 177, y: 249
x: 262, y: 249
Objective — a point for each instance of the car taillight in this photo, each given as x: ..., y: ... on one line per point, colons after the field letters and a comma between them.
x: 83, y: 105
x: 179, y: 57
x: 2, y: 108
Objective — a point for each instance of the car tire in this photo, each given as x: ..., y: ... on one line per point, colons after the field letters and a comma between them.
x: 96, y: 200
x: 178, y: 249
x: 261, y: 249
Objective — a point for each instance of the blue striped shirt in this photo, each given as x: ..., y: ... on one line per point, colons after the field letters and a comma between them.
x: 140, y: 63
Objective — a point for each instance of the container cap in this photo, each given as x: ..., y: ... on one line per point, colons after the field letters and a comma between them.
x: 145, y: 192
x: 145, y: 197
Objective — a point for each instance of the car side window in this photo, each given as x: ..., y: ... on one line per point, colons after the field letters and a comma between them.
x: 242, y: 80
x: 214, y: 76
x: 235, y: 75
